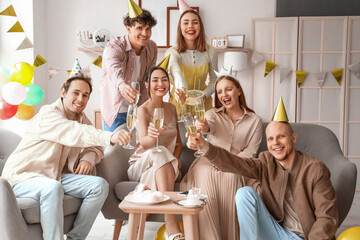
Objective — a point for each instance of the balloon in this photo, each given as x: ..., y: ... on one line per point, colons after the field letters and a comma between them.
x: 5, y: 71
x: 160, y: 234
x: 7, y: 110
x: 25, y: 112
x: 14, y: 93
x: 22, y: 72
x: 34, y: 94
x: 3, y: 80
x: 350, y: 234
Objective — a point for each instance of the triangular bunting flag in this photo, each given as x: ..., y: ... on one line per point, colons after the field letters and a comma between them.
x: 16, y: 28
x: 337, y: 73
x: 86, y: 71
x: 300, y: 76
x: 355, y: 69
x: 284, y: 72
x: 39, y: 60
x: 98, y: 61
x: 269, y: 67
x: 320, y: 76
x: 52, y: 71
x: 25, y: 44
x: 255, y: 59
x: 9, y: 11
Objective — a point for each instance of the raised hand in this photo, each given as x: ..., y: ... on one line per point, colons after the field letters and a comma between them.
x: 122, y: 137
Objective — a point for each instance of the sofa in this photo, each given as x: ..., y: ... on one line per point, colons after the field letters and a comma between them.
x: 314, y: 140
x: 20, y: 217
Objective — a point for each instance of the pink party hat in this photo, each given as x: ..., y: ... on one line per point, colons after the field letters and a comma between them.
x: 77, y: 70
x: 183, y: 6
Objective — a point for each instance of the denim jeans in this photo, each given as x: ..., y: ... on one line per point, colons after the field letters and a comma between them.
x: 119, y: 120
x: 50, y: 194
x: 256, y: 223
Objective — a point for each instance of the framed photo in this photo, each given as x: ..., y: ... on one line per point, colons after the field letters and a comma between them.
x: 236, y: 40
x: 173, y: 16
x: 219, y: 42
x: 158, y: 9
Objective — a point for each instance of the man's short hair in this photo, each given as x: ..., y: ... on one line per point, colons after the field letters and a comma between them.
x: 67, y: 83
x: 288, y: 125
x: 145, y: 18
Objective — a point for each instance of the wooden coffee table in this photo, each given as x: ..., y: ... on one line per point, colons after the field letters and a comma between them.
x: 137, y: 216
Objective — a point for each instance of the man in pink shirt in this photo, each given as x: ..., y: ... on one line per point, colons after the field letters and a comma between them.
x: 125, y: 60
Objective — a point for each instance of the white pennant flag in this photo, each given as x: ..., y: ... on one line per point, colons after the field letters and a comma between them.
x: 320, y: 76
x: 26, y: 43
x: 284, y: 72
x: 355, y: 69
x: 86, y: 71
x: 255, y: 59
x: 52, y: 71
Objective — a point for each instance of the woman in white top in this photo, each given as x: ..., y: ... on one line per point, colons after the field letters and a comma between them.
x: 157, y: 170
x: 235, y: 127
x: 192, y: 60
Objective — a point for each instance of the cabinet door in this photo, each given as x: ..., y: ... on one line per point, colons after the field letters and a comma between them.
x: 322, y: 48
x: 352, y: 106
x: 276, y: 40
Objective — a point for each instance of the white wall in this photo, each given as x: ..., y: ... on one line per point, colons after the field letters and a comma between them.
x: 63, y: 18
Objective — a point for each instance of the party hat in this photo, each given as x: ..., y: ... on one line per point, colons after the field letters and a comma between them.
x: 183, y: 6
x: 164, y: 64
x: 224, y: 72
x: 280, y: 113
x: 76, y: 71
x: 134, y: 9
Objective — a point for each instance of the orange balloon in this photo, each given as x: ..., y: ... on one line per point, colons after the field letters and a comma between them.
x: 25, y: 112
x: 350, y: 234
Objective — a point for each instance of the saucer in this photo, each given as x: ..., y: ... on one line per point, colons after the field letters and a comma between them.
x: 186, y: 203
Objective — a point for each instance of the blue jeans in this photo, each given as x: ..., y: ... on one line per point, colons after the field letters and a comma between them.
x: 119, y: 120
x: 255, y: 220
x: 50, y: 194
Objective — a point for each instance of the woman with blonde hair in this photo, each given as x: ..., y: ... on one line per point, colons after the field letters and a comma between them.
x: 235, y: 127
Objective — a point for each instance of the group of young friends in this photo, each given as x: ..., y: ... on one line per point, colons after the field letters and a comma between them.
x: 282, y: 194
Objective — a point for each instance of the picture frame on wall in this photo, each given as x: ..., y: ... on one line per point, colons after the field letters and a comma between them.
x: 219, y: 42
x: 237, y: 40
x: 173, y: 16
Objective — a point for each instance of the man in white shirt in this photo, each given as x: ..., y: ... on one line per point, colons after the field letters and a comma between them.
x: 57, y: 155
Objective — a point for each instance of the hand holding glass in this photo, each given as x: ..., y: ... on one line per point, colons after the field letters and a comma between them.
x: 158, y: 121
x: 191, y: 130
x: 200, y: 112
x: 130, y: 122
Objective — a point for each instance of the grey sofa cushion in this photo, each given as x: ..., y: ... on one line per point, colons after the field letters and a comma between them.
x: 30, y: 208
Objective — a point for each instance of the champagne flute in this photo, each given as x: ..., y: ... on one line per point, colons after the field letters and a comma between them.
x: 182, y: 108
x: 136, y: 86
x: 158, y: 121
x: 191, y: 130
x: 200, y: 112
x: 130, y: 122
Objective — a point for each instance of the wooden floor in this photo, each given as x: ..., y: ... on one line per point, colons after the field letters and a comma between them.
x: 103, y: 229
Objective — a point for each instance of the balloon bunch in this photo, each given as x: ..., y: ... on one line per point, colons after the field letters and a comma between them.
x: 18, y: 95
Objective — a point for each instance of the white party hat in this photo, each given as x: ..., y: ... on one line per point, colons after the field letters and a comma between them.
x: 183, y: 6
x: 76, y: 71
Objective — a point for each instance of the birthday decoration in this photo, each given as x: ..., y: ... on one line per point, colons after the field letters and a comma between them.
x: 164, y: 64
x: 22, y: 72
x: 183, y: 6
x: 76, y: 71
x: 269, y: 67
x: 34, y: 95
x: 350, y: 234
x: 39, y: 60
x: 9, y: 11
x: 284, y: 72
x: 14, y: 93
x: 7, y: 110
x: 16, y: 28
x: 25, y: 112
x: 300, y: 76
x: 355, y: 69
x: 98, y: 61
x: 280, y: 113
x: 134, y: 9
x: 320, y: 78
x: 26, y: 43
x: 338, y: 73
x: 255, y: 59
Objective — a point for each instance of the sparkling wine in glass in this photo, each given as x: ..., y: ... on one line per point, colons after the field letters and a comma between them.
x: 190, y: 127
x: 130, y: 121
x: 158, y: 121
x: 200, y: 111
x: 136, y: 86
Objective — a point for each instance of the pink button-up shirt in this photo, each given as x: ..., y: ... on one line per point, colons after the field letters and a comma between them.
x: 118, y: 65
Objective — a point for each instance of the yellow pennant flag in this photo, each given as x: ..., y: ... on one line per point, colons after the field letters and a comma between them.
x: 337, y: 73
x: 16, y: 28
x: 9, y: 11
x: 98, y: 61
x: 39, y: 60
x: 300, y: 76
x: 269, y: 67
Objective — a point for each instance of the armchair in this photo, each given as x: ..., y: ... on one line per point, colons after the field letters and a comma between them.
x: 315, y: 140
x: 20, y: 217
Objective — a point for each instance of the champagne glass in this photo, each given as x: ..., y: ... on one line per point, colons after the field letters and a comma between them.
x: 200, y: 112
x: 191, y: 130
x: 158, y: 121
x: 136, y: 86
x: 130, y: 122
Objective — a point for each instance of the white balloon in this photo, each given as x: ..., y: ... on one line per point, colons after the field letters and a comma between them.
x: 14, y: 93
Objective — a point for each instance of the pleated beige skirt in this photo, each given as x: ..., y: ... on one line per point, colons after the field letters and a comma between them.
x: 144, y: 168
x: 218, y: 220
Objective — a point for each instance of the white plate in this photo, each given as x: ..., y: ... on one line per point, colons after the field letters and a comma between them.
x: 184, y: 203
x: 101, y: 37
x: 130, y: 198
x: 202, y: 196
